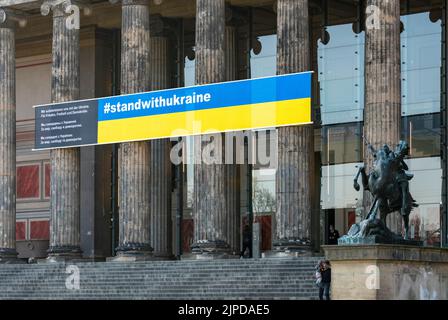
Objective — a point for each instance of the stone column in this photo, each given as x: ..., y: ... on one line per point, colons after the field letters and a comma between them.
x: 382, y: 110
x: 65, y: 163
x: 295, y: 143
x: 209, y: 200
x: 134, y: 185
x: 232, y: 170
x: 7, y: 140
x: 160, y: 163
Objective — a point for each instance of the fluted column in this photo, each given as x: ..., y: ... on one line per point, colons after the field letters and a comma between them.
x: 209, y: 199
x: 134, y: 185
x: 382, y: 108
x: 295, y: 143
x: 160, y: 185
x: 232, y: 170
x: 65, y: 163
x: 7, y: 141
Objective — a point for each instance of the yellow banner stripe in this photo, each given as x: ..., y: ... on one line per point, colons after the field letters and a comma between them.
x: 252, y: 116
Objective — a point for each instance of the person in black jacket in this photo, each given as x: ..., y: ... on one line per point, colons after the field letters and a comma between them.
x: 324, y: 288
x: 247, y: 241
x: 333, y: 235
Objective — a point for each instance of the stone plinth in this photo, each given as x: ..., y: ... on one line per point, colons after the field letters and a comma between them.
x: 377, y: 239
x: 388, y: 272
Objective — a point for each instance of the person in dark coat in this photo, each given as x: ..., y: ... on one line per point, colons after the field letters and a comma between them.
x: 247, y: 241
x: 325, y: 283
x: 333, y: 236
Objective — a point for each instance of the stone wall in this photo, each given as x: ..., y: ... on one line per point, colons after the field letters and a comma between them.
x: 387, y: 272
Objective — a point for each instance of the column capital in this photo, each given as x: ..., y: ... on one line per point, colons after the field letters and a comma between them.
x: 10, y: 17
x: 232, y: 15
x: 236, y: 16
x: 64, y: 7
x: 161, y: 27
x: 137, y: 2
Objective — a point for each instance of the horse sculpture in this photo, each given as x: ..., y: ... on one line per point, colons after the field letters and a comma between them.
x: 388, y: 183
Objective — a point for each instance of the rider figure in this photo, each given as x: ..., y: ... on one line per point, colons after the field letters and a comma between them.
x: 384, y: 149
x: 400, y: 152
x: 402, y: 177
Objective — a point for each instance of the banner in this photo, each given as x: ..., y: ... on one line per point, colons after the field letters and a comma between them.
x: 227, y: 106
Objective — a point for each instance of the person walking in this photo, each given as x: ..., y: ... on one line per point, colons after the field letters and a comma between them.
x: 324, y: 288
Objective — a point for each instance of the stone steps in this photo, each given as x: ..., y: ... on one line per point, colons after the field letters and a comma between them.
x: 200, y: 279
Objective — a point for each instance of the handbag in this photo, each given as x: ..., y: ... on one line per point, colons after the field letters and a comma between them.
x: 318, y: 278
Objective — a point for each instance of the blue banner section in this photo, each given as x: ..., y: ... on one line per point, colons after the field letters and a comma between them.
x: 227, y: 94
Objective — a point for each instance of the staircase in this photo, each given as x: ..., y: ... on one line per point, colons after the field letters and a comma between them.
x: 186, y: 279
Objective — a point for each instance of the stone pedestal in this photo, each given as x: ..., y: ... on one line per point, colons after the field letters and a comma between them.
x: 388, y: 272
x: 376, y: 239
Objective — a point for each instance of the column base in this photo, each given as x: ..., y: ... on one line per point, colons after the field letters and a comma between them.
x: 293, y: 248
x: 63, y: 254
x: 9, y: 256
x: 131, y: 257
x: 209, y: 256
x: 210, y: 250
x: 131, y: 252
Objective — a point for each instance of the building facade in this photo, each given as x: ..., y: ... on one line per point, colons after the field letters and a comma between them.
x: 379, y: 76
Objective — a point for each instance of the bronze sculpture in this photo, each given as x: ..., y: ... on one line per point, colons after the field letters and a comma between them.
x: 388, y: 182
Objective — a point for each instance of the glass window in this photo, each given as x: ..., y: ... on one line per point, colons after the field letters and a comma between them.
x: 426, y: 189
x: 189, y: 80
x: 342, y: 143
x: 420, y: 70
x: 341, y: 75
x: 422, y: 132
x: 420, y: 84
x: 424, y: 225
x: 421, y: 63
x: 189, y: 72
x: 341, y: 70
x: 337, y: 190
x: 264, y: 63
x: 263, y: 189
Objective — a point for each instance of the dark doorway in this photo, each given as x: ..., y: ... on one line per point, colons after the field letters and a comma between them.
x: 329, y: 220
